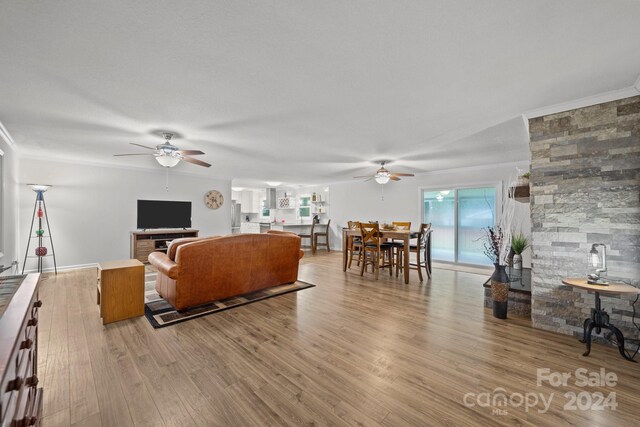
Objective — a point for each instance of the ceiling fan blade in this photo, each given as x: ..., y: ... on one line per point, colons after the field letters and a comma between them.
x: 136, y: 154
x: 143, y: 146
x: 190, y: 152
x: 368, y: 179
x: 403, y: 174
x: 363, y: 176
x: 196, y: 162
x: 394, y: 178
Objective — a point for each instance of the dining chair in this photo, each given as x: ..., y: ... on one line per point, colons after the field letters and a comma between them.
x: 373, y: 248
x: 324, y: 234
x: 421, y: 249
x: 309, y: 236
x: 354, y: 243
x: 399, y: 245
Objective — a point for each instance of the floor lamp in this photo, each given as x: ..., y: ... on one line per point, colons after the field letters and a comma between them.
x: 40, y: 212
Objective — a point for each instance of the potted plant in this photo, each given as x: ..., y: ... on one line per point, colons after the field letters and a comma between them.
x: 519, y: 242
x: 523, y: 179
x: 492, y: 244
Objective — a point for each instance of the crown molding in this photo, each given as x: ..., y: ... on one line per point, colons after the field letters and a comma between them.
x: 6, y: 136
x: 599, y: 98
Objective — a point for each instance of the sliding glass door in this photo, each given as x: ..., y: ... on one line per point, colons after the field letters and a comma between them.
x: 440, y: 211
x: 457, y: 217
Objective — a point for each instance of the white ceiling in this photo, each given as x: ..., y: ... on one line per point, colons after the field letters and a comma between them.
x: 304, y: 91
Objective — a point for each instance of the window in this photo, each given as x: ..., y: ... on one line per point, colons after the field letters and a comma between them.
x: 264, y: 210
x: 304, y: 207
x: 457, y: 217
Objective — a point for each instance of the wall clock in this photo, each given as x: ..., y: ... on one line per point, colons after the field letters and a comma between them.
x: 213, y: 199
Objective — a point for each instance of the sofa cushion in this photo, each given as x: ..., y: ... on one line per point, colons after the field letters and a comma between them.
x: 172, y: 249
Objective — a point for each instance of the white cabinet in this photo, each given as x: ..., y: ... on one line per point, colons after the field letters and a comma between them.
x: 251, y: 201
x: 277, y: 227
x: 250, y: 227
x: 258, y: 197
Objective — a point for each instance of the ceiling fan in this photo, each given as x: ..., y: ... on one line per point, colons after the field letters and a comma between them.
x: 383, y: 175
x: 168, y: 155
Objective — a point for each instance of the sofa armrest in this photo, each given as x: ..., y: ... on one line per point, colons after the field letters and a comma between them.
x: 164, y: 265
x: 301, y: 254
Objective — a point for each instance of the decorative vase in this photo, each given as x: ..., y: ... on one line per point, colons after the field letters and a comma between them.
x: 500, y: 291
x: 517, y: 262
x: 509, y: 258
x: 41, y: 251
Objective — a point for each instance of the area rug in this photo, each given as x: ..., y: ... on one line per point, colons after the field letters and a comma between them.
x: 161, y: 314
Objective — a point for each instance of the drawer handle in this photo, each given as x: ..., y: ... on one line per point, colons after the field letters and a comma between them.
x: 37, y: 304
x: 26, y: 344
x: 31, y: 381
x: 14, y: 384
x: 32, y: 322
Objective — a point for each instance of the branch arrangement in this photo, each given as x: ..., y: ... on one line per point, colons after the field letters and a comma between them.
x: 492, y: 243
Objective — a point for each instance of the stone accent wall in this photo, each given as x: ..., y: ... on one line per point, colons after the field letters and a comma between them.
x: 585, y: 188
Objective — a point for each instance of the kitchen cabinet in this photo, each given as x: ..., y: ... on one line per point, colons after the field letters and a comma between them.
x: 250, y: 227
x: 251, y: 201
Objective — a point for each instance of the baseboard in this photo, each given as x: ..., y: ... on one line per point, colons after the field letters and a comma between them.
x: 65, y: 268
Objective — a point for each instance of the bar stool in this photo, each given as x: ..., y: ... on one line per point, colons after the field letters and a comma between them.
x: 324, y: 234
x: 310, y: 237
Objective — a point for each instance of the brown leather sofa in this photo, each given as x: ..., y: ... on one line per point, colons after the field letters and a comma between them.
x: 199, y: 270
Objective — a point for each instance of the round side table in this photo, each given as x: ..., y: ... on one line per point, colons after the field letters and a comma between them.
x: 599, y: 318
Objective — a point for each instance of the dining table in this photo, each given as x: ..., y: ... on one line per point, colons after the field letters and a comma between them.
x: 402, y: 235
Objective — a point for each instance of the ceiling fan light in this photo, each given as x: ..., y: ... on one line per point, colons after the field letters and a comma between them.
x: 382, y: 178
x: 168, y: 161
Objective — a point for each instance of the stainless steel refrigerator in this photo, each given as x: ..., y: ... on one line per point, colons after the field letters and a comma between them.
x: 235, y: 217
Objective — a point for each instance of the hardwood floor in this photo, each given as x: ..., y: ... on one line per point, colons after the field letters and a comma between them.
x: 350, y: 351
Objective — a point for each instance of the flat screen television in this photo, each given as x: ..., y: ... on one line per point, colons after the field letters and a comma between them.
x: 163, y: 214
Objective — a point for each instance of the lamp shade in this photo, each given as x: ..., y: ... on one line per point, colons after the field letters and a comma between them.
x: 168, y: 161
x: 39, y: 187
x: 594, y: 259
x: 382, y: 178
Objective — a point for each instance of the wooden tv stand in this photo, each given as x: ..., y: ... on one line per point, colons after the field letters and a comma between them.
x: 145, y: 242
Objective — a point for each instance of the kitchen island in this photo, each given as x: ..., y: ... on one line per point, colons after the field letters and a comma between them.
x: 293, y: 227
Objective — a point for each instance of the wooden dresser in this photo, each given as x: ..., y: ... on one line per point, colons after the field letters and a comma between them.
x: 21, y: 399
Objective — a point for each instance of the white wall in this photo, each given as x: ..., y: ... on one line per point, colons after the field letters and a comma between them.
x: 92, y: 209
x: 9, y: 206
x: 361, y: 201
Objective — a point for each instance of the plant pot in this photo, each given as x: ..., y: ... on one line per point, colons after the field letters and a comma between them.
x: 522, y: 181
x: 500, y: 291
x: 509, y: 258
x: 517, y: 262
